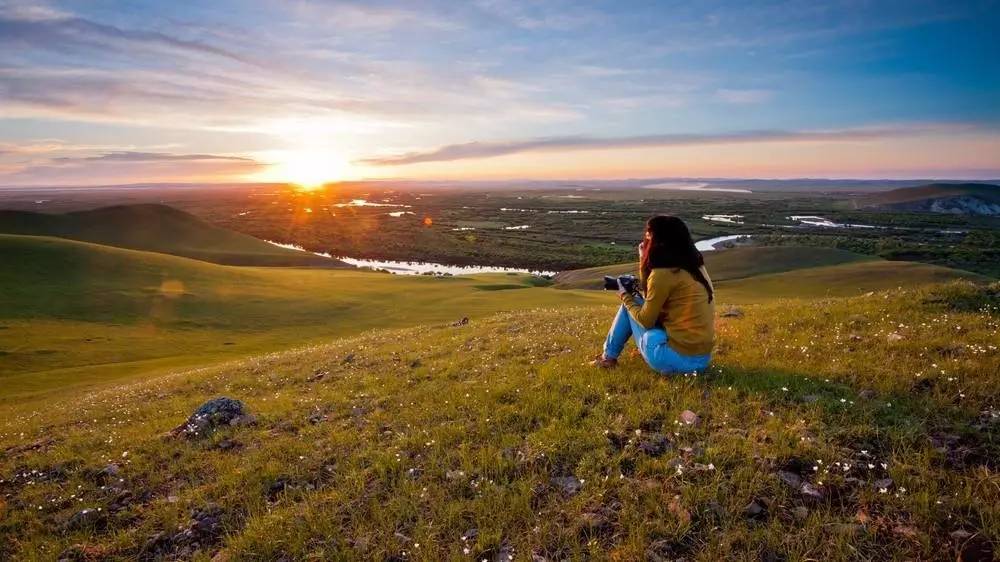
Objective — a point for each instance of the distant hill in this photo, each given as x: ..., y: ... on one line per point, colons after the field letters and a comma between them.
x: 158, y: 228
x: 733, y: 263
x: 951, y: 198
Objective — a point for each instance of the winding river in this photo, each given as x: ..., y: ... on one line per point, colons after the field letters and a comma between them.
x: 421, y: 268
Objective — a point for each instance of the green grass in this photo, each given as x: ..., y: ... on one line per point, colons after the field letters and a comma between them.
x: 75, y: 314
x: 158, y: 228
x: 419, y: 435
x: 840, y: 280
x: 395, y: 431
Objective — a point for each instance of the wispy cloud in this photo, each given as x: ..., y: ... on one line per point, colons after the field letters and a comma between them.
x: 38, y: 147
x: 130, y: 156
x: 56, y: 31
x: 169, y: 98
x: 742, y: 97
x: 130, y: 166
x: 473, y: 150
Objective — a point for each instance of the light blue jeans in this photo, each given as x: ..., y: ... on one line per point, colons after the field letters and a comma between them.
x: 652, y: 344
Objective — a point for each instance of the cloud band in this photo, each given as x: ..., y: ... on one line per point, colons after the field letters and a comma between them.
x: 473, y: 150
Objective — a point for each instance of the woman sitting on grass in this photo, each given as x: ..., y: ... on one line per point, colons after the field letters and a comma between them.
x: 673, y: 325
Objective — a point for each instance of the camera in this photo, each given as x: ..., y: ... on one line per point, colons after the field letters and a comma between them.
x: 629, y: 282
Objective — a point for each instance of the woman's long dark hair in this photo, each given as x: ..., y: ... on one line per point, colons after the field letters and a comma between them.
x: 670, y: 245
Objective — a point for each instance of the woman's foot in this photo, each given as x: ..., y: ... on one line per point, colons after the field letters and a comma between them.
x: 604, y: 363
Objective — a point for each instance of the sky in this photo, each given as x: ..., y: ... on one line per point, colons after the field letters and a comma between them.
x: 102, y: 92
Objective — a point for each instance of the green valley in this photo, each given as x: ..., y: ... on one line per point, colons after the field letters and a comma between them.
x: 76, y: 313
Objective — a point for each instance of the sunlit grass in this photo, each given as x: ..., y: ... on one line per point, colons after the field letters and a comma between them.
x: 401, y: 443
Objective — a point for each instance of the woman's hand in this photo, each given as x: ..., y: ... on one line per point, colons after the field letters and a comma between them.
x: 641, y: 249
x: 621, y: 288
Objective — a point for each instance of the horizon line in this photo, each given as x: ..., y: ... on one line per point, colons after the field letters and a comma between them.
x: 234, y: 185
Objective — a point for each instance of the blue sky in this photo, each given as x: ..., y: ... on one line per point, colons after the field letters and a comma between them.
x: 116, y: 92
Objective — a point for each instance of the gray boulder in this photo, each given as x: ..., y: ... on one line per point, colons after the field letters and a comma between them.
x: 211, y: 415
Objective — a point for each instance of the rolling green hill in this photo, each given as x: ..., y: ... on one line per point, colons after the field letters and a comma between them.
x: 732, y: 263
x: 936, y: 190
x: 76, y: 313
x: 952, y: 198
x: 842, y: 280
x: 158, y: 228
x: 859, y: 428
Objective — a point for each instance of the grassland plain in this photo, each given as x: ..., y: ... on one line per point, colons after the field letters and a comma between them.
x: 583, y: 227
x: 859, y: 428
x: 76, y: 314
x: 569, y: 227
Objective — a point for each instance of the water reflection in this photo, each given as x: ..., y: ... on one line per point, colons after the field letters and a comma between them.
x: 812, y: 220
x: 366, y: 203
x: 731, y: 219
x: 426, y: 268
x: 418, y: 267
x: 710, y: 244
x: 701, y: 186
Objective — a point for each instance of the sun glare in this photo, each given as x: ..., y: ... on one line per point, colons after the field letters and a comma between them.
x: 310, y: 170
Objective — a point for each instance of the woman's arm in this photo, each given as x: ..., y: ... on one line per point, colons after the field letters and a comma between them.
x: 657, y: 292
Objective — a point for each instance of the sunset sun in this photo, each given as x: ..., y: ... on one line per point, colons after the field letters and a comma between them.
x: 309, y: 170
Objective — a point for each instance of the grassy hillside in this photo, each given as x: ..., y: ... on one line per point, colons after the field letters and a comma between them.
x: 732, y: 263
x: 158, y: 228
x: 844, y: 429
x: 73, y: 313
x: 839, y: 280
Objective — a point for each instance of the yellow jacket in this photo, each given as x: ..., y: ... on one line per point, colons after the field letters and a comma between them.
x: 678, y: 302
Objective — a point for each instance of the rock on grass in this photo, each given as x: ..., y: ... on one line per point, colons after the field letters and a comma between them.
x: 569, y: 485
x: 213, y: 414
x: 203, y: 530
x: 756, y: 510
x: 654, y: 444
x: 790, y: 479
x: 688, y: 417
x: 973, y: 547
x: 85, y: 519
x: 810, y: 491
